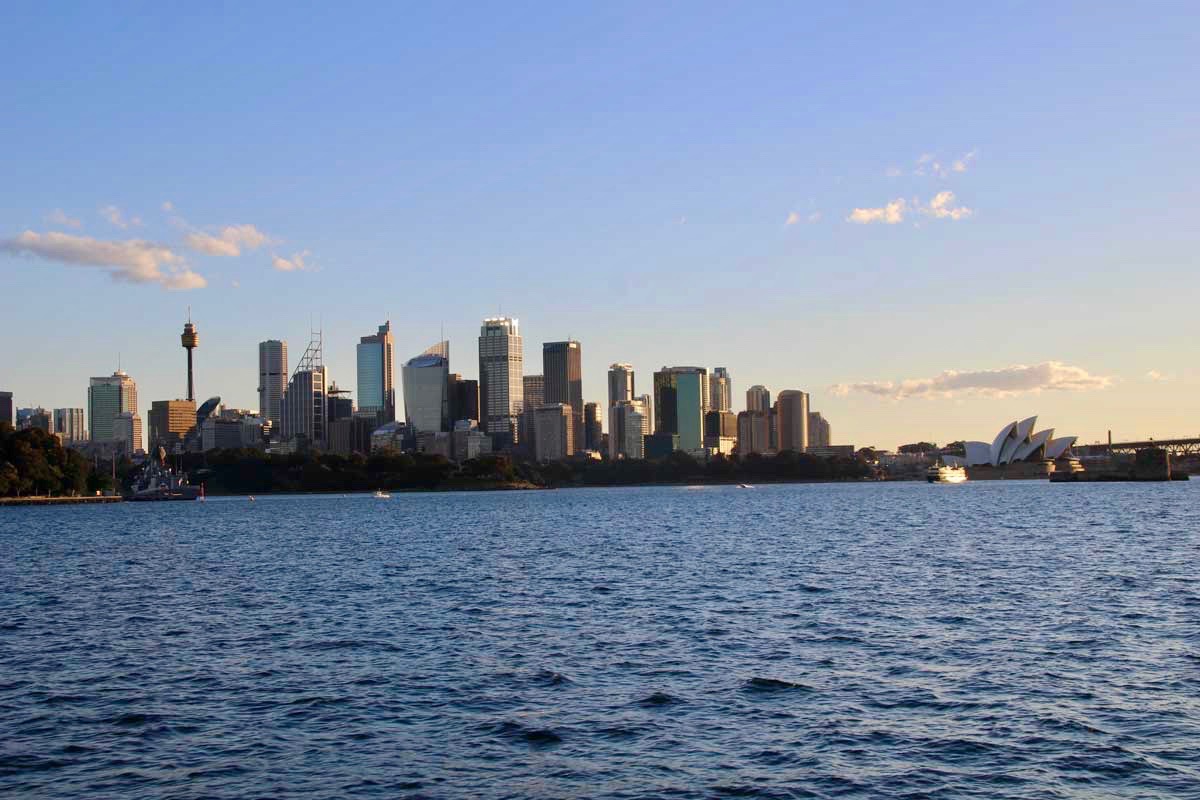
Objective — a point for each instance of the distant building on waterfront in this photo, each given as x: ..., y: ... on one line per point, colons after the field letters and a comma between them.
x: 621, y: 386
x: 501, y: 367
x: 376, y: 384
x: 6, y: 407
x: 554, y: 432
x: 127, y: 430
x: 304, y: 403
x: 352, y: 435
x: 754, y: 432
x: 272, y: 380
x: 720, y: 431
x: 819, y: 432
x: 463, y: 396
x: 758, y: 398
x: 720, y: 390
x: 169, y: 423
x: 338, y: 404
x: 562, y: 369
x: 679, y: 399
x: 69, y: 424
x: 467, y: 441
x: 108, y: 397
x: 791, y: 411
x: 533, y: 389
x: 35, y: 418
x: 660, y: 445
x: 593, y: 428
x: 426, y: 381
x: 628, y: 425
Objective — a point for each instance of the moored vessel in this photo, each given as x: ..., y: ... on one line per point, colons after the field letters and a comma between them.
x: 943, y: 473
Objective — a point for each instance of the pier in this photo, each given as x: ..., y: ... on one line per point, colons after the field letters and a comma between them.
x: 60, y: 501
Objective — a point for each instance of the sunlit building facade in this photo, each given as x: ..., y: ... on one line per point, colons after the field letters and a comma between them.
x: 426, y: 389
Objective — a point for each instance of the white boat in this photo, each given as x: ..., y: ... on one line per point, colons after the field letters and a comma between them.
x: 382, y: 495
x: 940, y: 473
x: 745, y: 486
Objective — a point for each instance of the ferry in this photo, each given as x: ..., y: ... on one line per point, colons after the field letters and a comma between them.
x: 380, y: 494
x: 941, y: 473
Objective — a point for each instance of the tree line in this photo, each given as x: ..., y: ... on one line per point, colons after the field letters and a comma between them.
x: 34, y: 462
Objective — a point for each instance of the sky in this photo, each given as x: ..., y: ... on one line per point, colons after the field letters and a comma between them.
x: 935, y: 218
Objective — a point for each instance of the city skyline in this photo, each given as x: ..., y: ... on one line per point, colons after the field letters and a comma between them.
x: 883, y: 240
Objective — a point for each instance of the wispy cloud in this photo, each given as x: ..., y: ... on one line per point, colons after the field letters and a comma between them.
x: 930, y: 164
x: 60, y: 217
x: 943, y: 206
x: 229, y: 241
x: 132, y: 260
x: 294, y: 264
x: 1155, y: 375
x: 890, y: 214
x: 795, y: 218
x: 962, y: 164
x: 168, y: 206
x: 115, y: 216
x: 1006, y: 382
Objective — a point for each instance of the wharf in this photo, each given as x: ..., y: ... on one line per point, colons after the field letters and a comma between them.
x: 60, y: 501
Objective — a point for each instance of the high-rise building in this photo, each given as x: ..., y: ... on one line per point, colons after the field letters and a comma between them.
x: 467, y: 441
x: 338, y: 404
x: 791, y: 410
x: 620, y: 384
x: 127, y: 429
x: 720, y: 390
x: 720, y: 424
x: 304, y: 403
x: 758, y: 398
x: 376, y: 387
x: 426, y: 389
x: 819, y: 434
x: 754, y: 432
x: 107, y: 397
x: 190, y: 339
x: 562, y: 367
x: 553, y: 432
x: 501, y: 367
x: 35, y: 418
x: 679, y: 399
x: 272, y: 380
x: 6, y: 407
x: 169, y: 423
x: 593, y: 429
x: 533, y: 388
x: 68, y: 422
x: 628, y: 425
x: 463, y: 397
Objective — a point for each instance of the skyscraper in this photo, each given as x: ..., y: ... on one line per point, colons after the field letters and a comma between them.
x: 758, y: 398
x: 679, y: 399
x: 6, y: 407
x: 127, y: 429
x: 170, y: 421
x: 272, y: 380
x: 464, y: 398
x: 69, y: 423
x: 791, y: 409
x: 304, y: 403
x: 533, y: 389
x: 819, y: 432
x: 426, y: 389
x: 501, y: 367
x: 553, y: 432
x: 620, y: 384
x: 593, y: 430
x: 376, y: 387
x: 720, y: 390
x: 628, y: 424
x: 562, y: 367
x: 109, y: 397
x: 754, y: 432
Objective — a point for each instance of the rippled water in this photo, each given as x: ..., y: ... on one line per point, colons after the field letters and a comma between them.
x: 905, y: 640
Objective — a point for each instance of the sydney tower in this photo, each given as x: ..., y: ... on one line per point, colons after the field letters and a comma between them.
x: 190, y: 339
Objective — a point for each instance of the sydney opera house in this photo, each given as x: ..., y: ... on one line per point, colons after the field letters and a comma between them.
x: 1017, y: 449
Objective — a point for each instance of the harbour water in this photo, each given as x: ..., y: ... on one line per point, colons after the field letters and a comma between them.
x: 1013, y: 639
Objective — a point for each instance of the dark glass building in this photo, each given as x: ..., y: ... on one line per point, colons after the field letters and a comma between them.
x: 562, y: 369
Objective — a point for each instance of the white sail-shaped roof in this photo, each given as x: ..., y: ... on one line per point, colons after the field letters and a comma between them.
x: 1039, y: 439
x: 1001, y: 438
x: 978, y: 453
x: 1056, y: 447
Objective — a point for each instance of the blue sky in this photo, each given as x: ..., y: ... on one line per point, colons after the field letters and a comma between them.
x: 623, y: 174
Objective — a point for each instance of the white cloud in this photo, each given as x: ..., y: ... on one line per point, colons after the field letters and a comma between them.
x: 168, y: 206
x: 229, y: 241
x: 114, y: 215
x: 962, y: 164
x: 889, y: 214
x: 792, y: 218
x: 293, y: 264
x: 1155, y: 375
x: 1007, y: 382
x: 942, y: 207
x: 59, y: 217
x: 132, y: 260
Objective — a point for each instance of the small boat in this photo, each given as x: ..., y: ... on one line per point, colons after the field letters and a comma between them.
x: 941, y: 473
x: 380, y: 494
x: 745, y: 486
